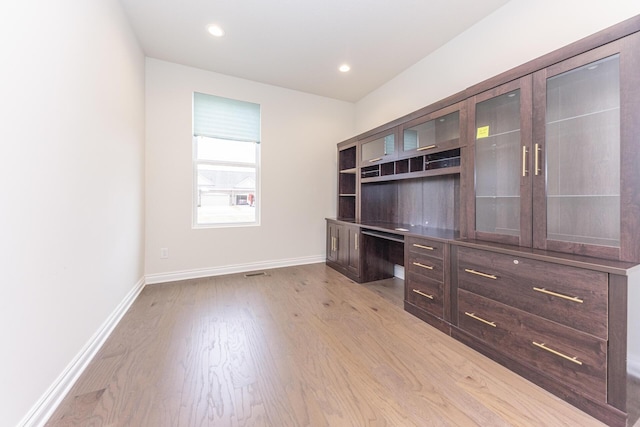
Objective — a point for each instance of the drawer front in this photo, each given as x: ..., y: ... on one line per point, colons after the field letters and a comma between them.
x: 424, y: 293
x: 569, y: 356
x: 425, y: 266
x: 572, y: 296
x: 425, y: 247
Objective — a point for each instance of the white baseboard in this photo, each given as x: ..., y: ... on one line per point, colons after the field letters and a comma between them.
x: 230, y: 269
x: 44, y: 408
x: 633, y: 366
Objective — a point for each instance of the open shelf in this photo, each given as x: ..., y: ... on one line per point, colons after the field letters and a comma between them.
x: 347, y: 183
x: 443, y: 163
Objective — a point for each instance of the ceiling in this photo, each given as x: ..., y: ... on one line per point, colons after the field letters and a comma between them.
x: 299, y: 44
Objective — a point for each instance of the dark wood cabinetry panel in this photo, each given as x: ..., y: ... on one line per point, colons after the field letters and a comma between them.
x: 617, y: 349
x: 571, y: 296
x: 343, y: 248
x: 428, y: 202
x: 427, y: 267
x: 347, y: 181
x: 630, y: 151
x: 581, y: 112
x: 567, y: 355
x: 379, y: 202
x: 427, y: 280
x: 425, y: 294
x: 498, y: 199
x: 432, y: 202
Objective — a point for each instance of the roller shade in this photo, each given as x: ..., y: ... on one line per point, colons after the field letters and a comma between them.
x: 224, y: 118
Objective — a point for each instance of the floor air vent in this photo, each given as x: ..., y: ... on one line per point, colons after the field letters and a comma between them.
x: 262, y: 273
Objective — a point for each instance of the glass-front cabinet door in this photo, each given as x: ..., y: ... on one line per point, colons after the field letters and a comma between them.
x: 500, y: 121
x: 579, y: 105
x: 378, y: 148
x: 435, y: 132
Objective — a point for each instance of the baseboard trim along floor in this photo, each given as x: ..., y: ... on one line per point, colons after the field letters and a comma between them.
x: 44, y: 408
x: 230, y: 269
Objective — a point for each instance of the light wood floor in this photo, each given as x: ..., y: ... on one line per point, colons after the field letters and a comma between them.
x: 301, y: 346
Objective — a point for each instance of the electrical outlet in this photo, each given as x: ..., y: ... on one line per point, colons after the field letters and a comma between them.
x: 164, y: 253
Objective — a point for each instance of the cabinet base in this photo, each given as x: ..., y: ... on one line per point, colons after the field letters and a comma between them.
x: 343, y: 270
x: 428, y: 318
x: 602, y: 411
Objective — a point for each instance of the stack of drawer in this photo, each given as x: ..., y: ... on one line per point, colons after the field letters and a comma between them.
x: 424, y: 275
x: 548, y: 317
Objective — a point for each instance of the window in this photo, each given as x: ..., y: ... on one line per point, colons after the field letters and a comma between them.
x: 226, y: 159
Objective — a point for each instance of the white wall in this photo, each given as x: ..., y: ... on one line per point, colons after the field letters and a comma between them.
x: 520, y: 31
x: 298, y: 168
x: 71, y: 171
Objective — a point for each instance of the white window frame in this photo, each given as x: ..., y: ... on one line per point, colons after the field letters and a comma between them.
x: 233, y: 125
x: 194, y: 204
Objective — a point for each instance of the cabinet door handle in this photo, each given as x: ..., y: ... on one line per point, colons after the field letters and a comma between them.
x: 355, y: 236
x: 557, y: 353
x: 429, y: 248
x: 428, y: 267
x: 524, y: 161
x: 333, y: 244
x: 423, y: 294
x: 536, y: 158
x: 428, y: 147
x: 473, y: 316
x: 555, y: 294
x: 488, y: 276
x: 377, y: 159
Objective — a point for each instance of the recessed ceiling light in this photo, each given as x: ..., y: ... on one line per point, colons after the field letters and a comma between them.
x: 344, y: 68
x: 215, y: 30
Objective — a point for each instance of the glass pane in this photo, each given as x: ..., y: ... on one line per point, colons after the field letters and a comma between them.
x: 432, y: 132
x: 226, y: 194
x: 583, y: 154
x: 225, y: 150
x: 497, y: 158
x: 379, y: 147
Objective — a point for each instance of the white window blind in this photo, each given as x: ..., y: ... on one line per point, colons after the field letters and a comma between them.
x: 224, y: 118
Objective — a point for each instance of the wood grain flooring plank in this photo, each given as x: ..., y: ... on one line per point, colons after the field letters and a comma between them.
x: 298, y: 346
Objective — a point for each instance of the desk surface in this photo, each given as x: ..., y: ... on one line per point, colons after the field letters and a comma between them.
x: 453, y: 237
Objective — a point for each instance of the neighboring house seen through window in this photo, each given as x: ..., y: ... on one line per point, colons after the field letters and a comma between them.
x: 226, y: 159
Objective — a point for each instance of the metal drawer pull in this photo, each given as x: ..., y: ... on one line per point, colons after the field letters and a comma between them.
x: 429, y: 248
x: 557, y: 353
x: 377, y: 159
x: 524, y: 160
x: 428, y: 147
x: 555, y: 294
x: 428, y: 267
x: 488, y: 276
x: 537, y: 160
x: 473, y: 315
x: 423, y: 294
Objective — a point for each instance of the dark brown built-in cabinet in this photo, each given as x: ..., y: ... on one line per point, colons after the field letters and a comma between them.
x: 514, y: 208
x: 549, y: 153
